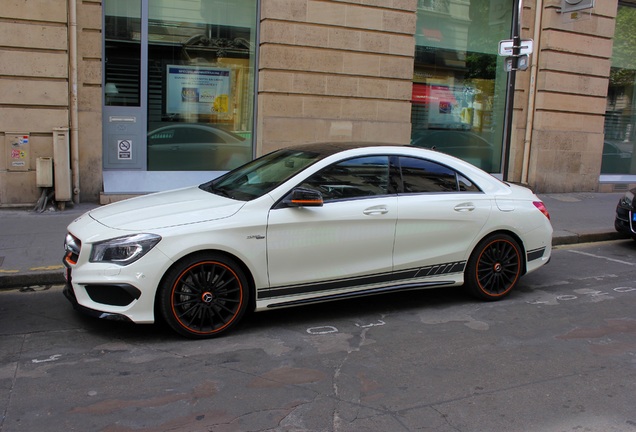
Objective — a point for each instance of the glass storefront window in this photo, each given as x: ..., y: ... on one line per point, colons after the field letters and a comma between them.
x: 200, y: 84
x: 620, y: 114
x: 122, y: 52
x: 179, y: 83
x: 459, y: 84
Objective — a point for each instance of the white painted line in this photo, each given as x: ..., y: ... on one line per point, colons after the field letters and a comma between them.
x: 379, y: 323
x: 602, y: 257
x: 624, y: 289
x: 54, y: 357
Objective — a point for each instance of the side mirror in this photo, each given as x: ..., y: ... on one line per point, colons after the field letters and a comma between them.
x: 301, y: 197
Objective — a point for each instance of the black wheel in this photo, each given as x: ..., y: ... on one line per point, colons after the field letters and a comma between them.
x: 494, y: 267
x: 204, y: 296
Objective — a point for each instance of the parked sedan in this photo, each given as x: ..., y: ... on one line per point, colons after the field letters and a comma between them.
x: 302, y: 225
x: 625, y: 221
x: 195, y: 147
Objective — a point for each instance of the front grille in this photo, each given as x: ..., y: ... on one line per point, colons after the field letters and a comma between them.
x: 113, y: 294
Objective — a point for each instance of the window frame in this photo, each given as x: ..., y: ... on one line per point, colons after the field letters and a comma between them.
x: 457, y: 174
x: 391, y: 188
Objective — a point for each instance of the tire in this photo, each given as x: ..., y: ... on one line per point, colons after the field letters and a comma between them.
x: 494, y: 267
x: 204, y: 296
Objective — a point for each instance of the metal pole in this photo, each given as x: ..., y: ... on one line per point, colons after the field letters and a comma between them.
x: 510, y: 94
x: 74, y: 104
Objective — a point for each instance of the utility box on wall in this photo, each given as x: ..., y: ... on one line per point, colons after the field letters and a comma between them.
x: 44, y: 172
x: 62, y: 164
x: 576, y: 5
x: 18, y: 148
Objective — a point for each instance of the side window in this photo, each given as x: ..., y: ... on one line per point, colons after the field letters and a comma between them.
x: 421, y: 175
x: 353, y: 178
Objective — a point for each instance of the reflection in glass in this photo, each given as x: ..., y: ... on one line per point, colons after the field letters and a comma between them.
x: 620, y: 114
x: 200, y: 84
x: 459, y: 87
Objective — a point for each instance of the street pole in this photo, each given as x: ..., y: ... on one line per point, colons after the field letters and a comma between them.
x: 510, y: 94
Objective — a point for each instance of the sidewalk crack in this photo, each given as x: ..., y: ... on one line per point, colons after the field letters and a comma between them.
x: 5, y: 412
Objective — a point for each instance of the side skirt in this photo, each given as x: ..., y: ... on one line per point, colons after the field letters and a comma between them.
x: 362, y: 293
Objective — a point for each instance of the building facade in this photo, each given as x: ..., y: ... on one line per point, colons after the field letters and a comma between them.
x: 101, y: 100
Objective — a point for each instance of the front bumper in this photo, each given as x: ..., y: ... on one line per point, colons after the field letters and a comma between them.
x: 109, y: 291
x: 70, y: 295
x: 625, y: 220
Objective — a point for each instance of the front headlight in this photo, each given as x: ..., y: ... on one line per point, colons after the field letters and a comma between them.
x: 123, y: 250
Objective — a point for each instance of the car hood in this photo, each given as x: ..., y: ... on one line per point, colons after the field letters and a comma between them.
x: 165, y: 209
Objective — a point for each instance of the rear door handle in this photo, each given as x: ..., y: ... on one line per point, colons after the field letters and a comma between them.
x: 465, y: 207
x: 376, y: 210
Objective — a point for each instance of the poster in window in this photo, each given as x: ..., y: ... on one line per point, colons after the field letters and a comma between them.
x: 197, y: 90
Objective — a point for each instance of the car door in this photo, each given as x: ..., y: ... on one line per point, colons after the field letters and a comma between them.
x: 440, y: 215
x: 316, y: 250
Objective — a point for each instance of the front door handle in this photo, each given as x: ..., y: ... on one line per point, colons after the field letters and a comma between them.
x: 465, y: 207
x: 376, y: 210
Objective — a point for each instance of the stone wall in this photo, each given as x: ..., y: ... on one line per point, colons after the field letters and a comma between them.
x: 89, y: 46
x: 35, y: 93
x: 328, y: 70
x: 33, y: 88
x: 337, y: 70
x: 573, y: 60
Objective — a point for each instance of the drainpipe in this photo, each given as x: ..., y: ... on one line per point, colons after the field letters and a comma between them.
x: 74, y: 107
x: 532, y: 92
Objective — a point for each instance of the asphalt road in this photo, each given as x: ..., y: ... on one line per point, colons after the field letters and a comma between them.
x: 558, y: 355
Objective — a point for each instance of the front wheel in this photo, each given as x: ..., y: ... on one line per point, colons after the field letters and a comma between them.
x: 204, y: 296
x: 494, y: 267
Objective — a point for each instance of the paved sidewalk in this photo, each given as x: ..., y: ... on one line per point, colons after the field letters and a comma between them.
x: 31, y: 243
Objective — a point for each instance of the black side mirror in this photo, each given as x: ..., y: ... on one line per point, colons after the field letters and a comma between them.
x: 301, y: 197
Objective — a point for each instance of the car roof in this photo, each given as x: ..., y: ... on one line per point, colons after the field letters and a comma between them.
x: 330, y: 148
x: 327, y: 149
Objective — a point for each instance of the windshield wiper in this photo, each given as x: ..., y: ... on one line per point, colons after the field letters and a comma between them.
x: 222, y: 192
x: 209, y: 187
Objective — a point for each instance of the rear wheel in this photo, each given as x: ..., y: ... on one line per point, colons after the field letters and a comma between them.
x: 494, y: 267
x: 204, y: 296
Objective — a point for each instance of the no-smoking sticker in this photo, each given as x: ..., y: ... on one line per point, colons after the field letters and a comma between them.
x: 124, y: 149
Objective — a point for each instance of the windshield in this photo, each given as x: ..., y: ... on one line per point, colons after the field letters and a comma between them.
x: 260, y: 176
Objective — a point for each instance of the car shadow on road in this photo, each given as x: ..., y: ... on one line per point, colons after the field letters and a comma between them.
x: 362, y: 307
x: 307, y: 315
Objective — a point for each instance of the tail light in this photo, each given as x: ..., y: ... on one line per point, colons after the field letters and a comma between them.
x: 542, y: 208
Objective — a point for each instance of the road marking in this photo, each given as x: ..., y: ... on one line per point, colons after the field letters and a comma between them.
x: 602, y: 257
x: 567, y: 297
x: 54, y: 357
x: 51, y: 267
x: 624, y: 289
x: 379, y: 323
x: 322, y: 330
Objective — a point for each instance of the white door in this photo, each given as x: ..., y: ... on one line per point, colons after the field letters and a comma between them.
x: 315, y: 250
x: 441, y: 214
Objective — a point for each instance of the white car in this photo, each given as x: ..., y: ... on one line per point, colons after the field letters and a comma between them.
x: 301, y: 225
